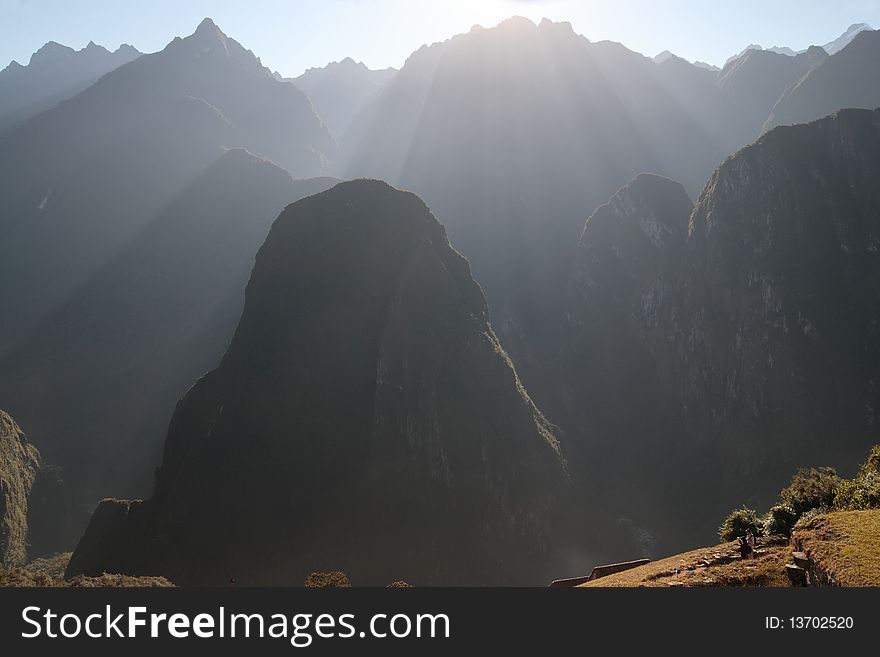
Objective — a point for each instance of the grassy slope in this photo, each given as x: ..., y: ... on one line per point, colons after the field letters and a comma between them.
x: 844, y: 545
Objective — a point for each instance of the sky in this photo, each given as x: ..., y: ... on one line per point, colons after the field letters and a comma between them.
x: 292, y: 35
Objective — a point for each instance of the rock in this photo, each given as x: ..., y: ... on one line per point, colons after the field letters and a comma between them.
x: 801, y: 559
x: 796, y: 575
x: 19, y: 464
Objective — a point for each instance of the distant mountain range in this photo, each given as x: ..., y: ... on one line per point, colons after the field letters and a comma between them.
x: 339, y: 90
x: 831, y: 47
x: 53, y: 74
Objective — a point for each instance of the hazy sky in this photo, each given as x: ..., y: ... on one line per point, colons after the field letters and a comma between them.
x: 291, y: 35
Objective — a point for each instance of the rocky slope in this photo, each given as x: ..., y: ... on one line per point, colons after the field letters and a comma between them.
x: 713, y: 349
x: 364, y: 418
x: 19, y: 463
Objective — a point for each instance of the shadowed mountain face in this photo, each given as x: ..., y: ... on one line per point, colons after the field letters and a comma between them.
x: 339, y: 91
x: 365, y: 417
x: 147, y: 324
x: 742, y: 340
x: 54, y: 73
x: 849, y: 78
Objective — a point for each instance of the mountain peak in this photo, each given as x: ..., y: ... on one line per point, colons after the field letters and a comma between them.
x: 207, y: 31
x: 207, y: 26
x: 50, y: 52
x: 517, y: 23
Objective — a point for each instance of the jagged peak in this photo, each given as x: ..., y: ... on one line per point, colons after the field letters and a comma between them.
x: 126, y: 48
x: 517, y: 23
x: 49, y: 52
x: 208, y: 28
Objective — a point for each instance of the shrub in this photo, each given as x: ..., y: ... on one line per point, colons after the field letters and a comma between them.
x: 872, y: 463
x: 779, y: 520
x: 738, y: 523
x: 811, y: 488
x: 863, y: 492
x: 812, y: 513
x: 336, y: 579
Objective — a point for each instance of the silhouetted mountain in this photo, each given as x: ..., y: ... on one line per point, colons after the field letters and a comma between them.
x: 757, y: 79
x: 848, y: 78
x: 19, y: 463
x: 364, y: 417
x: 844, y: 39
x: 339, y: 90
x: 54, y: 73
x: 99, y: 378
x: 725, y: 347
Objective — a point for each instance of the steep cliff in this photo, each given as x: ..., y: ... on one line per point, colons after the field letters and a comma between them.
x: 364, y: 418
x: 19, y: 463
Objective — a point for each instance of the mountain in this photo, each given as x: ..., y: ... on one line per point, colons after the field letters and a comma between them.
x: 844, y: 39
x: 78, y: 182
x: 339, y: 90
x: 748, y: 48
x: 723, y: 344
x: 54, y: 74
x: 514, y: 134
x: 784, y: 50
x: 19, y: 463
x: 364, y: 418
x: 98, y: 379
x: 755, y: 81
x: 849, y: 78
x: 778, y: 315
x: 663, y: 56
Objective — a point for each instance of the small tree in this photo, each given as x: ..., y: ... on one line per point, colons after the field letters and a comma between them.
x: 811, y: 488
x: 779, y: 520
x: 738, y: 523
x: 863, y: 492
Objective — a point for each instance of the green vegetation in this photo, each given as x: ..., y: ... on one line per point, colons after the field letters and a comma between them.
x: 812, y: 492
x: 779, y: 520
x: 19, y: 462
x: 863, y: 492
x: 811, y: 488
x: 739, y: 522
